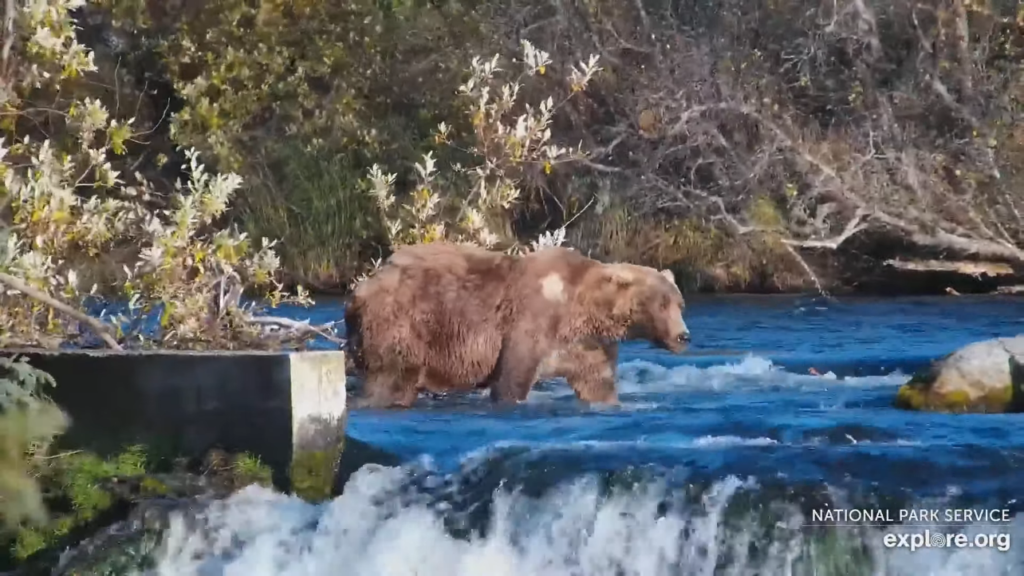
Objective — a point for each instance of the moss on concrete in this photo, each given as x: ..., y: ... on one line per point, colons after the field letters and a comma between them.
x: 312, y: 472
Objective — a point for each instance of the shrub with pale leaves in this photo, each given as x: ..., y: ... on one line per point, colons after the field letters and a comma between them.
x: 70, y: 215
x: 510, y: 138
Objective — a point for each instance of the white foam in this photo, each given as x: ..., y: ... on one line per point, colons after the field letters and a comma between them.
x: 751, y: 373
x: 572, y: 530
x: 709, y: 442
x: 729, y: 441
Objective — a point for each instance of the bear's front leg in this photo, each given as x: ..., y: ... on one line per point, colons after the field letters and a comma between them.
x: 588, y: 365
x: 516, y: 371
x: 593, y: 373
x: 594, y: 389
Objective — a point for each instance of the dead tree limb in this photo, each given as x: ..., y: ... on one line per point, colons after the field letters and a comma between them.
x: 297, y: 327
x: 95, y: 325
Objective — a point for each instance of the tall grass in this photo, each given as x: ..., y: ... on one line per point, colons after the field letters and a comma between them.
x: 704, y: 258
x: 313, y: 201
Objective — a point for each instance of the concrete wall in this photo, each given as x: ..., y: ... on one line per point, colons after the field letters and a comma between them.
x: 287, y: 408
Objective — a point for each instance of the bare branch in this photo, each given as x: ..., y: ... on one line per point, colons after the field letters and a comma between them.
x: 95, y: 325
x: 952, y: 242
x: 807, y: 268
x: 854, y: 226
x: 9, y: 35
x: 299, y: 329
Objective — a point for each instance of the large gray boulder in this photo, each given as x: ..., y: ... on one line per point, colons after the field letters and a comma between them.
x: 986, y: 377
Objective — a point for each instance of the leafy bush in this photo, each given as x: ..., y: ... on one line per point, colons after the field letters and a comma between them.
x: 28, y: 423
x: 510, y: 144
x: 182, y: 278
x: 341, y: 75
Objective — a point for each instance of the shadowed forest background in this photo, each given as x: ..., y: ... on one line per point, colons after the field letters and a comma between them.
x: 749, y: 146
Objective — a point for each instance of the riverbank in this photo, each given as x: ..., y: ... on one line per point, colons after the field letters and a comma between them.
x: 706, y: 260
x: 899, y: 278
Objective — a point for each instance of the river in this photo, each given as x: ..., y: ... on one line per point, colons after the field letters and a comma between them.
x: 714, y: 464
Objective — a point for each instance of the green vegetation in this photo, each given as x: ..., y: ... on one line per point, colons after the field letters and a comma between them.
x: 50, y: 499
x: 702, y: 257
x: 80, y: 490
x: 312, y: 473
x: 248, y: 469
x: 334, y: 131
x: 81, y: 220
x: 313, y: 102
x: 85, y: 492
x: 28, y: 423
x: 327, y: 223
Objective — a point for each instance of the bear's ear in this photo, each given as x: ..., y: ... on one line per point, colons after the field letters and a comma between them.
x: 668, y: 275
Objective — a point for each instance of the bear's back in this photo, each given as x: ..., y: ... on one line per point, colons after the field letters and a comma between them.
x: 460, y: 260
x: 439, y: 282
x: 542, y: 267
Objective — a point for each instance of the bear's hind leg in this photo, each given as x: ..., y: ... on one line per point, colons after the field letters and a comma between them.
x: 517, y: 369
x: 388, y: 389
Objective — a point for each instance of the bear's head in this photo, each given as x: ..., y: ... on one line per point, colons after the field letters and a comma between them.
x: 649, y: 303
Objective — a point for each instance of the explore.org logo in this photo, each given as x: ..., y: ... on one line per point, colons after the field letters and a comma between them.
x: 929, y: 522
x: 929, y: 539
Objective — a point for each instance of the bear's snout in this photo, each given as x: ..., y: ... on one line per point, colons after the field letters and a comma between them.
x: 676, y: 335
x: 679, y: 343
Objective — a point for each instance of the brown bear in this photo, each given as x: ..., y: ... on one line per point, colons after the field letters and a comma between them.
x: 443, y: 317
x: 588, y: 365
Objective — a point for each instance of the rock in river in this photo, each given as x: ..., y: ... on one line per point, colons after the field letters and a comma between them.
x: 985, y: 377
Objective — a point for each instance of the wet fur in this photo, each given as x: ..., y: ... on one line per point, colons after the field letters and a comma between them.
x: 444, y: 317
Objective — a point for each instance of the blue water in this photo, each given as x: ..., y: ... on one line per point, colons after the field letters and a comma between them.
x: 712, y: 463
x: 745, y: 381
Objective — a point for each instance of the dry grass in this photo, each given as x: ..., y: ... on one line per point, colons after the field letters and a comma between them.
x: 704, y: 258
